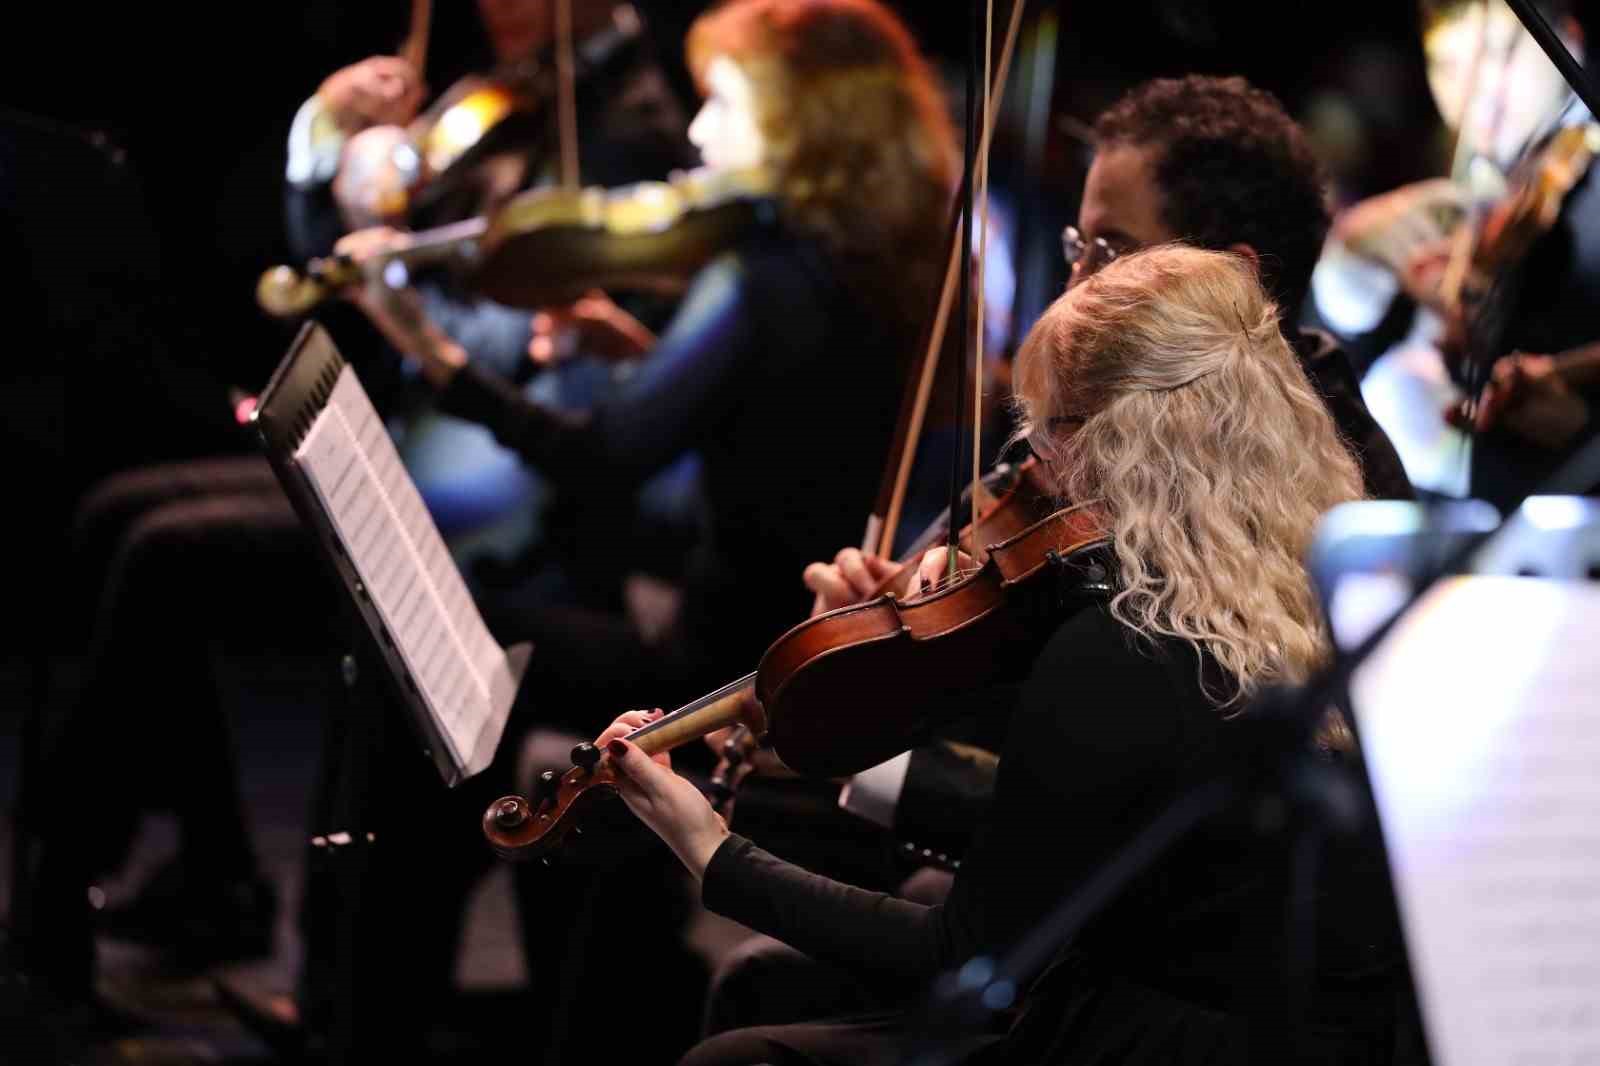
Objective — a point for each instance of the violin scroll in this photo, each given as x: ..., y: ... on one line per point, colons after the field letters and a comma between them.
x: 521, y: 829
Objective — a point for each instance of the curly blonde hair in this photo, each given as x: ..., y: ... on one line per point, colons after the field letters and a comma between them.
x: 1162, y: 386
x: 856, y: 131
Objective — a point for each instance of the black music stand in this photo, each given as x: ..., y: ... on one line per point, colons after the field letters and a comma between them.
x: 344, y: 901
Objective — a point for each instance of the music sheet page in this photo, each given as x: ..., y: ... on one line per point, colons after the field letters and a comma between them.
x: 1480, y: 721
x: 463, y: 675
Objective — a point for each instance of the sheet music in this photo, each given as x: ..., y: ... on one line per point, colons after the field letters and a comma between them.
x: 1480, y: 721
x: 463, y: 675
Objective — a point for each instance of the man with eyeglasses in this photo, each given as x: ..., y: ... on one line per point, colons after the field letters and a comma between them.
x: 1217, y: 163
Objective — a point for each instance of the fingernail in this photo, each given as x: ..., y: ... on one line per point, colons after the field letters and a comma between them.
x: 617, y: 749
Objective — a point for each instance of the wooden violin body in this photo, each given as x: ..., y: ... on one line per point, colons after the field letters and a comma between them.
x: 847, y: 689
x: 551, y: 245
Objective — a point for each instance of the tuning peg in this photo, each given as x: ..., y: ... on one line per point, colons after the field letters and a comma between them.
x: 585, y: 756
x: 546, y: 787
x: 510, y: 813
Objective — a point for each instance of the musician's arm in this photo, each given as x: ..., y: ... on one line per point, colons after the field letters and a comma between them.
x: 682, y: 393
x: 1580, y: 366
x: 1092, y: 742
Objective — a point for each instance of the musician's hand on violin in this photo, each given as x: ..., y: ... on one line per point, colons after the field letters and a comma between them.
x: 1390, y: 228
x: 933, y: 571
x: 380, y: 90
x: 1528, y: 396
x: 398, y: 312
x: 592, y: 324
x: 853, y: 576
x: 626, y: 723
x: 673, y: 808
x: 1422, y: 273
x: 363, y: 245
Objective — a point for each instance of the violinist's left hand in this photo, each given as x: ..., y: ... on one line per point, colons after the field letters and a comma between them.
x: 673, y: 808
x: 933, y: 570
x: 398, y: 312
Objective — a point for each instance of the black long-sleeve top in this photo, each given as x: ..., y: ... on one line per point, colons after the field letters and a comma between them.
x: 1105, y: 736
x: 1334, y: 377
x: 786, y: 388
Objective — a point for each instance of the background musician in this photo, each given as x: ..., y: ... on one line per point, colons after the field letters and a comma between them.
x: 1515, y: 334
x: 863, y: 162
x: 1161, y: 387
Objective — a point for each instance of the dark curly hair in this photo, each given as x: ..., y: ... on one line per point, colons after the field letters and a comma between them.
x: 1233, y: 168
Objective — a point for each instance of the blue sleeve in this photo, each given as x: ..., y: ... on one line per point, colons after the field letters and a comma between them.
x: 681, y: 394
x: 495, y: 336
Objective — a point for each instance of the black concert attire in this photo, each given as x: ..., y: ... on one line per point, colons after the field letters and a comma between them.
x: 1335, y: 380
x: 1108, y: 731
x: 945, y: 792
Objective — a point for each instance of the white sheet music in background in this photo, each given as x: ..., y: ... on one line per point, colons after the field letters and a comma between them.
x: 1480, y: 721
x: 464, y: 677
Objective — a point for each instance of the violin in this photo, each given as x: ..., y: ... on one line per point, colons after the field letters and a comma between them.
x: 846, y: 689
x: 549, y: 246
x: 474, y: 145
x: 1012, y: 497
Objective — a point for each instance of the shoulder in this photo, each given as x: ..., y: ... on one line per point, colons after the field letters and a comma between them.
x: 771, y: 272
x: 1091, y: 634
x: 1092, y: 664
x: 1333, y: 375
x: 1105, y: 707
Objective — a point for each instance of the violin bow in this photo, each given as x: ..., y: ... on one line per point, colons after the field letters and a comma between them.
x: 883, y: 523
x: 414, y: 49
x: 566, y: 95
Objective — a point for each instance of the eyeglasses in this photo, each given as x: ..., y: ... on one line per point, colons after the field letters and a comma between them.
x: 1085, y: 257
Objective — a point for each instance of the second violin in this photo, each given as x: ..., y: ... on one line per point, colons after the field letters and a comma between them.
x: 549, y: 246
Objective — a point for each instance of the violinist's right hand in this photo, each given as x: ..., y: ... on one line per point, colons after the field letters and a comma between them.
x: 852, y: 577
x: 1390, y: 228
x: 377, y: 91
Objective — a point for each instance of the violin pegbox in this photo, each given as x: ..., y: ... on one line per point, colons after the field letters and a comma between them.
x: 521, y: 829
